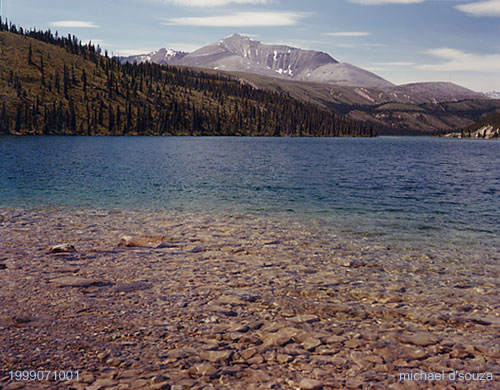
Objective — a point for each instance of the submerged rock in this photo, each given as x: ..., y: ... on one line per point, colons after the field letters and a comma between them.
x: 73, y: 281
x: 310, y: 384
x: 62, y: 248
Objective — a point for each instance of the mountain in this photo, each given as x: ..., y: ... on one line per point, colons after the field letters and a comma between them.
x: 57, y: 85
x: 242, y: 54
x: 492, y: 94
x: 162, y: 57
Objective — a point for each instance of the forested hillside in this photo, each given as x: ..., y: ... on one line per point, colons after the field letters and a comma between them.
x: 488, y: 127
x: 57, y: 85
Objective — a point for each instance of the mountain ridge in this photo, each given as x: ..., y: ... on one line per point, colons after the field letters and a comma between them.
x: 240, y: 53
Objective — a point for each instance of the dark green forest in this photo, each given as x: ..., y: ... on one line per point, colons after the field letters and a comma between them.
x: 56, y: 85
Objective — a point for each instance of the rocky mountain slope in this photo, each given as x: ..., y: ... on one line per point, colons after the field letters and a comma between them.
x: 162, y: 57
x: 242, y: 54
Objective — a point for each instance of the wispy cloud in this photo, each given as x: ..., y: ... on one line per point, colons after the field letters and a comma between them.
x: 94, y: 42
x: 394, y: 63
x: 481, y: 8
x: 212, y: 3
x: 458, y: 60
x: 348, y: 34
x: 133, y: 52
x: 240, y: 19
x: 378, y: 2
x: 73, y: 24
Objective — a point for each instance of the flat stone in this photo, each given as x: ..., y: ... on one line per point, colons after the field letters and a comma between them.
x: 310, y: 384
x: 248, y: 353
x: 131, y: 242
x: 311, y: 343
x: 217, y: 356
x: 277, y: 340
x: 283, y: 358
x: 203, y: 369
x: 420, y: 339
x: 160, y: 386
x: 257, y: 359
x: 62, y: 248
x: 102, y: 384
x: 73, y: 281
x: 132, y: 286
x: 305, y: 318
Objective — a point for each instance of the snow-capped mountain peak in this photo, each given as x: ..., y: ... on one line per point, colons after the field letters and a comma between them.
x: 162, y: 56
x: 492, y: 94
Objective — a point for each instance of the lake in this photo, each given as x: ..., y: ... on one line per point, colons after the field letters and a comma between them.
x: 415, y: 191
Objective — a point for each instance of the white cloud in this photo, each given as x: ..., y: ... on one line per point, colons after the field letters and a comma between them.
x: 240, y: 19
x: 94, y: 42
x: 348, y: 34
x: 133, y: 52
x: 395, y: 63
x: 73, y: 24
x: 188, y: 47
x: 458, y: 60
x: 378, y: 2
x: 212, y: 3
x: 481, y: 8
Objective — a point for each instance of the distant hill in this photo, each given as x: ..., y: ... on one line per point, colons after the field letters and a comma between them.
x: 57, y: 85
x: 398, y: 110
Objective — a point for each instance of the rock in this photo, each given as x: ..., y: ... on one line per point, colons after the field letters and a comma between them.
x: 62, y: 248
x: 284, y: 358
x: 203, y: 369
x: 310, y: 384
x: 277, y: 340
x: 160, y: 386
x: 3, y: 266
x: 360, y: 359
x: 305, y: 318
x: 420, y: 339
x: 74, y: 281
x: 335, y: 339
x: 257, y: 359
x: 131, y: 287
x: 131, y: 242
x: 311, y: 343
x: 217, y: 356
x: 102, y: 384
x: 248, y: 353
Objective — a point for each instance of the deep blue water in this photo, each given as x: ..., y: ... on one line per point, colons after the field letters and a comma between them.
x: 399, y: 188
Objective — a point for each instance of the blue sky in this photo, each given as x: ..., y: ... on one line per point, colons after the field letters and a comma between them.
x: 401, y: 40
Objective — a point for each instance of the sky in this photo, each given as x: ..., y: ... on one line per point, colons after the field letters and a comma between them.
x: 401, y: 40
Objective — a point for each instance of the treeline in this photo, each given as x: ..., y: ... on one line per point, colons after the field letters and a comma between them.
x: 58, y: 85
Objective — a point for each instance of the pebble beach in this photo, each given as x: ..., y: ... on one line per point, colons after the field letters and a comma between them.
x: 180, y: 300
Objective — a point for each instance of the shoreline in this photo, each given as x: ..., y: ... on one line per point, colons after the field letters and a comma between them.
x: 243, y: 302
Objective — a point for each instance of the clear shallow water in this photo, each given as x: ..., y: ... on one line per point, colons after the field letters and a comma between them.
x: 424, y: 191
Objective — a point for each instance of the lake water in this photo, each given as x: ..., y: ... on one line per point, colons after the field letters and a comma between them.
x: 416, y: 191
